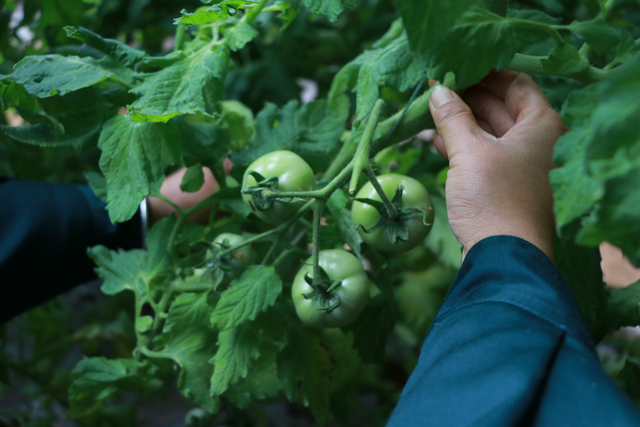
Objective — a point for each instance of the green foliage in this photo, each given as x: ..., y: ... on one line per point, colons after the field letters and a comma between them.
x: 219, y: 81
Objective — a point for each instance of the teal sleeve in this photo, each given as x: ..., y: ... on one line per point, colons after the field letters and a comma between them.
x: 45, y: 230
x: 509, y: 347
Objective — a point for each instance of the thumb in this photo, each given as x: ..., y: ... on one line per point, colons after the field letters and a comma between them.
x: 453, y: 118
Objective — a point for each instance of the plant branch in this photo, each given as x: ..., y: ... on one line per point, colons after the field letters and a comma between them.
x: 180, y: 32
x: 323, y: 193
x: 391, y: 209
x: 361, y: 158
x: 533, y: 65
x: 317, y: 217
x: 253, y: 13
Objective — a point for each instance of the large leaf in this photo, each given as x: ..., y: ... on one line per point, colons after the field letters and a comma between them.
x: 120, y: 270
x: 135, y: 156
x: 624, y: 306
x: 121, y: 52
x: 49, y: 75
x: 254, y: 292
x: 190, y: 86
x: 220, y: 10
x: 329, y: 8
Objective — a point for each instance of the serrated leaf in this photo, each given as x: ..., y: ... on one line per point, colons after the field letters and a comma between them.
x: 124, y: 54
x: 302, y: 368
x: 565, y: 59
x: 96, y: 380
x: 238, y: 347
x: 254, y: 292
x: 345, y: 358
x: 329, y: 8
x: 49, y: 75
x: 98, y: 184
x: 239, y: 35
x: 261, y: 382
x: 220, y: 10
x: 288, y: 12
x: 134, y: 156
x: 477, y: 31
x: 189, y: 341
x: 600, y: 35
x: 427, y: 22
x: 204, y: 143
x: 313, y: 131
x: 157, y: 240
x: 189, y: 86
x: 120, y: 270
x: 372, y: 328
x: 193, y: 179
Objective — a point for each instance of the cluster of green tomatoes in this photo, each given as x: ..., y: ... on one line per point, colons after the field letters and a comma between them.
x: 340, y: 293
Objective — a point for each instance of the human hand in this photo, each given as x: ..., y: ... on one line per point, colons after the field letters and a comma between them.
x: 171, y: 190
x: 499, y: 140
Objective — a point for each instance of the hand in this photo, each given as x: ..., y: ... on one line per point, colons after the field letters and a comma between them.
x: 499, y: 142
x: 171, y: 190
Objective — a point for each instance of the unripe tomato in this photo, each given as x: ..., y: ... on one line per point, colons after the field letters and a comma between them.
x: 294, y: 174
x: 239, y: 260
x: 353, y: 292
x: 414, y: 195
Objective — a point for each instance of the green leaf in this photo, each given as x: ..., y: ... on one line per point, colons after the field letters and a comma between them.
x: 329, y: 8
x: 190, y: 86
x: 565, y: 59
x: 345, y: 358
x: 207, y: 15
x: 441, y: 240
x: 261, y: 382
x: 427, y: 22
x: 238, y: 347
x: 288, y: 12
x: 204, y: 143
x: 97, y: 380
x: 372, y: 328
x: 239, y: 35
x: 477, y: 31
x: 313, y: 131
x: 98, y: 184
x: 302, y: 368
x: 254, y: 292
x: 157, y: 240
x: 135, y: 156
x: 337, y: 205
x: 121, y: 52
x: 601, y: 36
x: 581, y: 269
x: 624, y: 306
x: 49, y: 75
x: 189, y: 341
x: 193, y: 179
x: 120, y: 270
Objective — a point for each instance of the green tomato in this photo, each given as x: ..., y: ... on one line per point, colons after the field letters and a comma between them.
x: 414, y: 195
x: 352, y: 294
x: 238, y: 261
x: 294, y: 174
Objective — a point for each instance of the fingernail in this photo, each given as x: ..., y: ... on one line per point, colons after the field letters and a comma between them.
x: 441, y: 95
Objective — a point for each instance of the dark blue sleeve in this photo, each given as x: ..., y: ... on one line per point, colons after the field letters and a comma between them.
x: 509, y: 347
x: 45, y: 230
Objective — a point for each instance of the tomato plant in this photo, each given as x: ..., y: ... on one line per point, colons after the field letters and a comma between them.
x: 113, y: 95
x: 400, y: 234
x: 284, y: 171
x: 339, y: 298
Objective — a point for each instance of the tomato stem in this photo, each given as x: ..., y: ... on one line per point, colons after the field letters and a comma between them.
x: 317, y: 217
x: 253, y: 13
x: 391, y: 209
x: 361, y: 158
x: 180, y: 31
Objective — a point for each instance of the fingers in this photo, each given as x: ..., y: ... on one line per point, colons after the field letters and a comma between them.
x: 521, y: 94
x: 489, y: 109
x: 439, y: 144
x: 453, y: 118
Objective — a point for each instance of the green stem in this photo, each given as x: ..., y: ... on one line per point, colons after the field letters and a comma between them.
x: 171, y: 246
x: 279, y: 229
x: 391, y: 209
x: 317, y: 217
x: 180, y: 32
x: 152, y: 354
x: 551, y: 29
x: 361, y: 158
x: 283, y: 256
x: 162, y: 308
x: 253, y: 13
x: 323, y: 193
x: 343, y: 158
x: 533, y: 65
x: 170, y: 202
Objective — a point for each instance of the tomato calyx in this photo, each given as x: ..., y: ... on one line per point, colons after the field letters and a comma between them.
x: 397, y: 228
x: 259, y: 202
x: 323, y: 291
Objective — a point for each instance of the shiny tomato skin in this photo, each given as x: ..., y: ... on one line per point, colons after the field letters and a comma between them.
x: 294, y: 174
x: 414, y: 195
x: 353, y: 292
